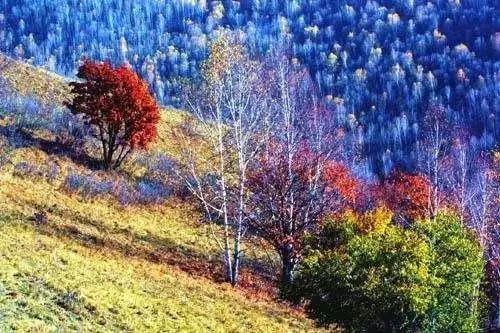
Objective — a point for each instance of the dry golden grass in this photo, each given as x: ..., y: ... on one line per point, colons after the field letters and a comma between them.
x: 29, y: 81
x: 96, y: 266
x: 70, y: 264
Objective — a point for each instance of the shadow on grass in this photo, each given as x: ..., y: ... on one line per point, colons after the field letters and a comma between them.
x: 255, y: 277
x: 25, y: 139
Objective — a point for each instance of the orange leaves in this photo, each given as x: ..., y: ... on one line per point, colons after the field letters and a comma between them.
x: 340, y: 179
x: 406, y: 195
x: 224, y: 59
x: 117, y: 102
x: 222, y: 55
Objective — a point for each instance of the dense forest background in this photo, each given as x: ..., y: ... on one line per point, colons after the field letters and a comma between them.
x: 358, y: 140
x: 381, y: 66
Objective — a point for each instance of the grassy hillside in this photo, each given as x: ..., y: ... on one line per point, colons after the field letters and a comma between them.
x: 77, y: 264
x: 27, y: 80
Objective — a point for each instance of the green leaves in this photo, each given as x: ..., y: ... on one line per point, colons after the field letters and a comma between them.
x: 458, y: 269
x: 425, y: 278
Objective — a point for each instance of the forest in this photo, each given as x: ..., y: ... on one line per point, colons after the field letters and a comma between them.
x: 355, y: 141
x: 380, y: 65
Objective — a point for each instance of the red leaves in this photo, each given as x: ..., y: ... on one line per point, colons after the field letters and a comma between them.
x: 117, y: 102
x: 340, y: 179
x: 280, y: 183
x: 406, y: 195
x: 291, y: 191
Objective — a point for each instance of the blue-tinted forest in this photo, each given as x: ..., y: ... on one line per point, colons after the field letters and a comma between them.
x: 381, y: 66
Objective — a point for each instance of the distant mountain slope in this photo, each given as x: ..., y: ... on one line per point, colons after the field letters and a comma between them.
x: 380, y: 64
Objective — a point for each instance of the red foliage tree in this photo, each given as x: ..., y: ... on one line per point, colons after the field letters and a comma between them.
x: 290, y: 197
x: 340, y: 179
x: 406, y: 195
x: 117, y: 103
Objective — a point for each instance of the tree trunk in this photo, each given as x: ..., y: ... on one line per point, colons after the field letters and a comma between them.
x: 496, y: 319
x: 239, y: 219
x: 228, y: 265
x: 235, y: 270
x: 227, y: 252
x: 288, y: 264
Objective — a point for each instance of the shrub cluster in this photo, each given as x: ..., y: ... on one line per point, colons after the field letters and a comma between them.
x: 4, y: 152
x: 145, y: 192
x: 420, y: 279
x: 29, y: 114
x: 96, y: 185
x: 161, y: 169
x: 47, y: 172
x: 88, y: 186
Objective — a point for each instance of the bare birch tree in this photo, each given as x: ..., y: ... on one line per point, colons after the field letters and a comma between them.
x: 433, y: 146
x: 458, y: 171
x: 472, y: 186
x: 230, y: 106
x: 484, y: 211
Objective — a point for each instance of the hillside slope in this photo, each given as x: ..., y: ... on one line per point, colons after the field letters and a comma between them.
x: 71, y: 263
